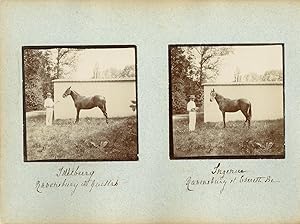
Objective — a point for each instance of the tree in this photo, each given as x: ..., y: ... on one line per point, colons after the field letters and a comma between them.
x: 179, y: 69
x: 272, y: 75
x: 113, y: 73
x: 237, y: 75
x: 268, y: 76
x: 41, y: 66
x: 205, y: 61
x: 128, y: 72
x: 37, y: 75
x: 251, y: 77
x: 65, y: 61
x: 97, y: 72
x: 190, y: 68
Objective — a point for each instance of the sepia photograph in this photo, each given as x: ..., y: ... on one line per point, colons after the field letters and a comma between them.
x: 80, y: 103
x: 226, y: 101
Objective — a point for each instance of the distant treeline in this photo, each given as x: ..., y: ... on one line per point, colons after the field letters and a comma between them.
x: 268, y: 76
x: 113, y: 73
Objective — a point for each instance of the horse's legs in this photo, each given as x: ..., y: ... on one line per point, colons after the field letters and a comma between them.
x: 245, y: 122
x: 223, y: 113
x: 77, y: 116
x: 247, y: 116
x: 249, y: 122
x: 102, y: 108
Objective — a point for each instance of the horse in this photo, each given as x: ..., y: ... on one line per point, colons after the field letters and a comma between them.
x: 83, y: 102
x: 228, y: 105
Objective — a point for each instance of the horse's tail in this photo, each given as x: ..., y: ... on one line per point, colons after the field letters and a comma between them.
x: 250, y: 111
x: 104, y: 105
x: 105, y: 112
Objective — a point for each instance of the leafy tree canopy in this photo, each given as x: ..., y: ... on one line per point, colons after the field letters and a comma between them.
x: 190, y: 68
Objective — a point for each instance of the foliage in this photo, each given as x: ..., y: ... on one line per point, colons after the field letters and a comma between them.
x: 273, y: 75
x: 128, y: 71
x: 112, y: 73
x: 237, y: 75
x: 133, y: 105
x: 37, y: 81
x: 268, y: 76
x: 251, y: 77
x: 190, y: 68
x: 65, y: 60
x: 41, y: 66
x: 179, y: 69
x: 205, y: 61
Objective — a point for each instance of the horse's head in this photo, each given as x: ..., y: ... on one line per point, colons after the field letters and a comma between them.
x: 67, y: 92
x: 212, y: 95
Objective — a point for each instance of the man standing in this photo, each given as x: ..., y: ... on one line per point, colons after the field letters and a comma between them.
x: 49, y: 104
x: 191, y: 108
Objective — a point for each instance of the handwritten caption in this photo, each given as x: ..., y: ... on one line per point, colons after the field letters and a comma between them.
x: 226, y: 177
x: 74, y: 178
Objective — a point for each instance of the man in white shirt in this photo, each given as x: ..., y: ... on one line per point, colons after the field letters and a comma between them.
x: 49, y: 105
x: 191, y: 108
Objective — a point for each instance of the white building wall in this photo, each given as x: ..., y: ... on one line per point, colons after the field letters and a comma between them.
x: 266, y: 100
x: 118, y: 95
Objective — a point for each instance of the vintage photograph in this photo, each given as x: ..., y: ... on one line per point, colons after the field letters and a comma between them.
x: 80, y: 103
x: 226, y: 101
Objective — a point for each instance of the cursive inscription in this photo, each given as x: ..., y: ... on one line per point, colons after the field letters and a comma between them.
x: 73, y: 178
x: 190, y: 182
x: 217, y: 170
x: 42, y: 186
x: 65, y: 172
x: 224, y: 178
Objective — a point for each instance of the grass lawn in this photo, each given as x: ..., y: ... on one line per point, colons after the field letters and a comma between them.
x: 90, y: 139
x: 211, y: 139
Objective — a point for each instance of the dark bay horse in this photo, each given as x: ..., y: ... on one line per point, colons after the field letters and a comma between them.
x: 84, y: 102
x: 228, y: 105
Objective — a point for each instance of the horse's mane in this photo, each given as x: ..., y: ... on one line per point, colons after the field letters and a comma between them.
x: 75, y: 92
x: 219, y: 95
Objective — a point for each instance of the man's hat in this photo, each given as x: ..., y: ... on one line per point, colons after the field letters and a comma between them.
x: 192, y: 97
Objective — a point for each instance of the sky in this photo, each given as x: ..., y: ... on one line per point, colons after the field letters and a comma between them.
x: 248, y: 59
x: 105, y: 58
